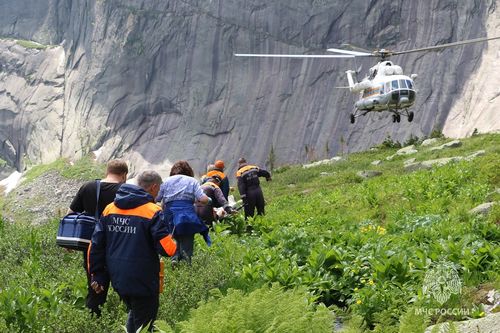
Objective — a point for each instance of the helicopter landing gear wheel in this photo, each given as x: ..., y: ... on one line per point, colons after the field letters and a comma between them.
x: 394, y: 118
x: 410, y: 116
x: 353, y: 119
x: 398, y: 118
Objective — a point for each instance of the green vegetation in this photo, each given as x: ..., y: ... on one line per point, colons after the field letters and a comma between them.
x: 332, y: 245
x: 83, y: 169
x: 237, y: 312
x: 28, y: 44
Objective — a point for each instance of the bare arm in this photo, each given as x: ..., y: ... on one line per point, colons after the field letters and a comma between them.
x: 204, y: 199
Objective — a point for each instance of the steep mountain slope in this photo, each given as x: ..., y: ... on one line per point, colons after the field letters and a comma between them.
x: 366, y: 245
x: 478, y: 105
x: 145, y: 76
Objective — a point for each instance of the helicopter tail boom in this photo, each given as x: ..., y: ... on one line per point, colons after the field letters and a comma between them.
x: 355, y: 86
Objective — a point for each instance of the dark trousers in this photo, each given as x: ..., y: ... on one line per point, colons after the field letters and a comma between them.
x: 93, y: 300
x: 254, y: 199
x: 142, y: 311
x: 185, y: 244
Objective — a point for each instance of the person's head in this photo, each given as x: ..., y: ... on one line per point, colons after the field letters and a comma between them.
x: 219, y: 164
x: 216, y: 179
x: 118, y: 168
x: 181, y: 168
x: 242, y: 161
x: 150, y: 182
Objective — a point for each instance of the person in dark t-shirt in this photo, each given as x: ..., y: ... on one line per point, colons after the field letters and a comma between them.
x: 85, y: 202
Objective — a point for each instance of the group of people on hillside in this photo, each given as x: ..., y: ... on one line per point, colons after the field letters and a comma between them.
x: 133, y: 230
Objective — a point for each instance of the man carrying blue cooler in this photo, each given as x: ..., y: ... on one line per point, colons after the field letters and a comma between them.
x: 125, y: 246
x: 85, y: 202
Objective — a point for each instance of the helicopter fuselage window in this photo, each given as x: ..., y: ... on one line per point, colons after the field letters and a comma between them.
x: 387, y: 87
x: 402, y: 84
x: 395, y: 84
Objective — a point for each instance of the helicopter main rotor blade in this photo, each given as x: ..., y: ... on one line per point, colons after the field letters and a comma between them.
x: 292, y: 55
x: 354, y: 53
x: 442, y: 46
x: 355, y: 48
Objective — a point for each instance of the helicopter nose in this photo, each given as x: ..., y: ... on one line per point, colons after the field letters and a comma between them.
x: 403, y: 100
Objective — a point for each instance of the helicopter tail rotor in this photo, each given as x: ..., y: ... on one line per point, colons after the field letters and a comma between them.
x: 351, y: 79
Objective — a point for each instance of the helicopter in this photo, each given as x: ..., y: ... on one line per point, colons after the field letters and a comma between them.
x: 385, y: 88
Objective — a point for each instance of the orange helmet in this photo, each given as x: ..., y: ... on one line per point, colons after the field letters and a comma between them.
x: 219, y: 164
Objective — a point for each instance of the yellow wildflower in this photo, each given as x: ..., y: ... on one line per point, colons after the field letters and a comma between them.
x: 359, y: 301
x: 371, y: 283
x: 356, y: 289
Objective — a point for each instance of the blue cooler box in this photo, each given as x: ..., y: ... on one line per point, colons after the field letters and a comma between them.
x: 75, y: 231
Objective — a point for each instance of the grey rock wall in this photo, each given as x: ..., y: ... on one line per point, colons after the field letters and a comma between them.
x: 156, y: 81
x: 31, y: 104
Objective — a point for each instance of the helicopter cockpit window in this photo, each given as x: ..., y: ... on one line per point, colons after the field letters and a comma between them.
x: 409, y: 84
x: 402, y: 84
x: 395, y: 84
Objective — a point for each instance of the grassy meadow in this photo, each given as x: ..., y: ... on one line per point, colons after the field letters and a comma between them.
x: 334, y: 253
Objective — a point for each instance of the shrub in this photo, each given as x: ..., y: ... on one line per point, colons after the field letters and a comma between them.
x: 412, y: 322
x: 187, y: 285
x: 263, y: 310
x: 436, y: 134
x: 390, y: 143
x: 412, y: 140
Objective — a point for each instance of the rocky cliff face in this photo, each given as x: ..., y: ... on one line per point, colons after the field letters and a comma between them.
x: 477, y: 107
x: 31, y: 103
x: 156, y: 81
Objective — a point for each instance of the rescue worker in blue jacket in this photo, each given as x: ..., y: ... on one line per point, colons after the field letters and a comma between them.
x: 249, y: 187
x: 125, y: 246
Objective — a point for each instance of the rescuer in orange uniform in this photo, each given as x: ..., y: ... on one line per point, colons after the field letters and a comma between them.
x: 249, y: 187
x: 218, y: 170
x: 212, y: 190
x: 127, y: 240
